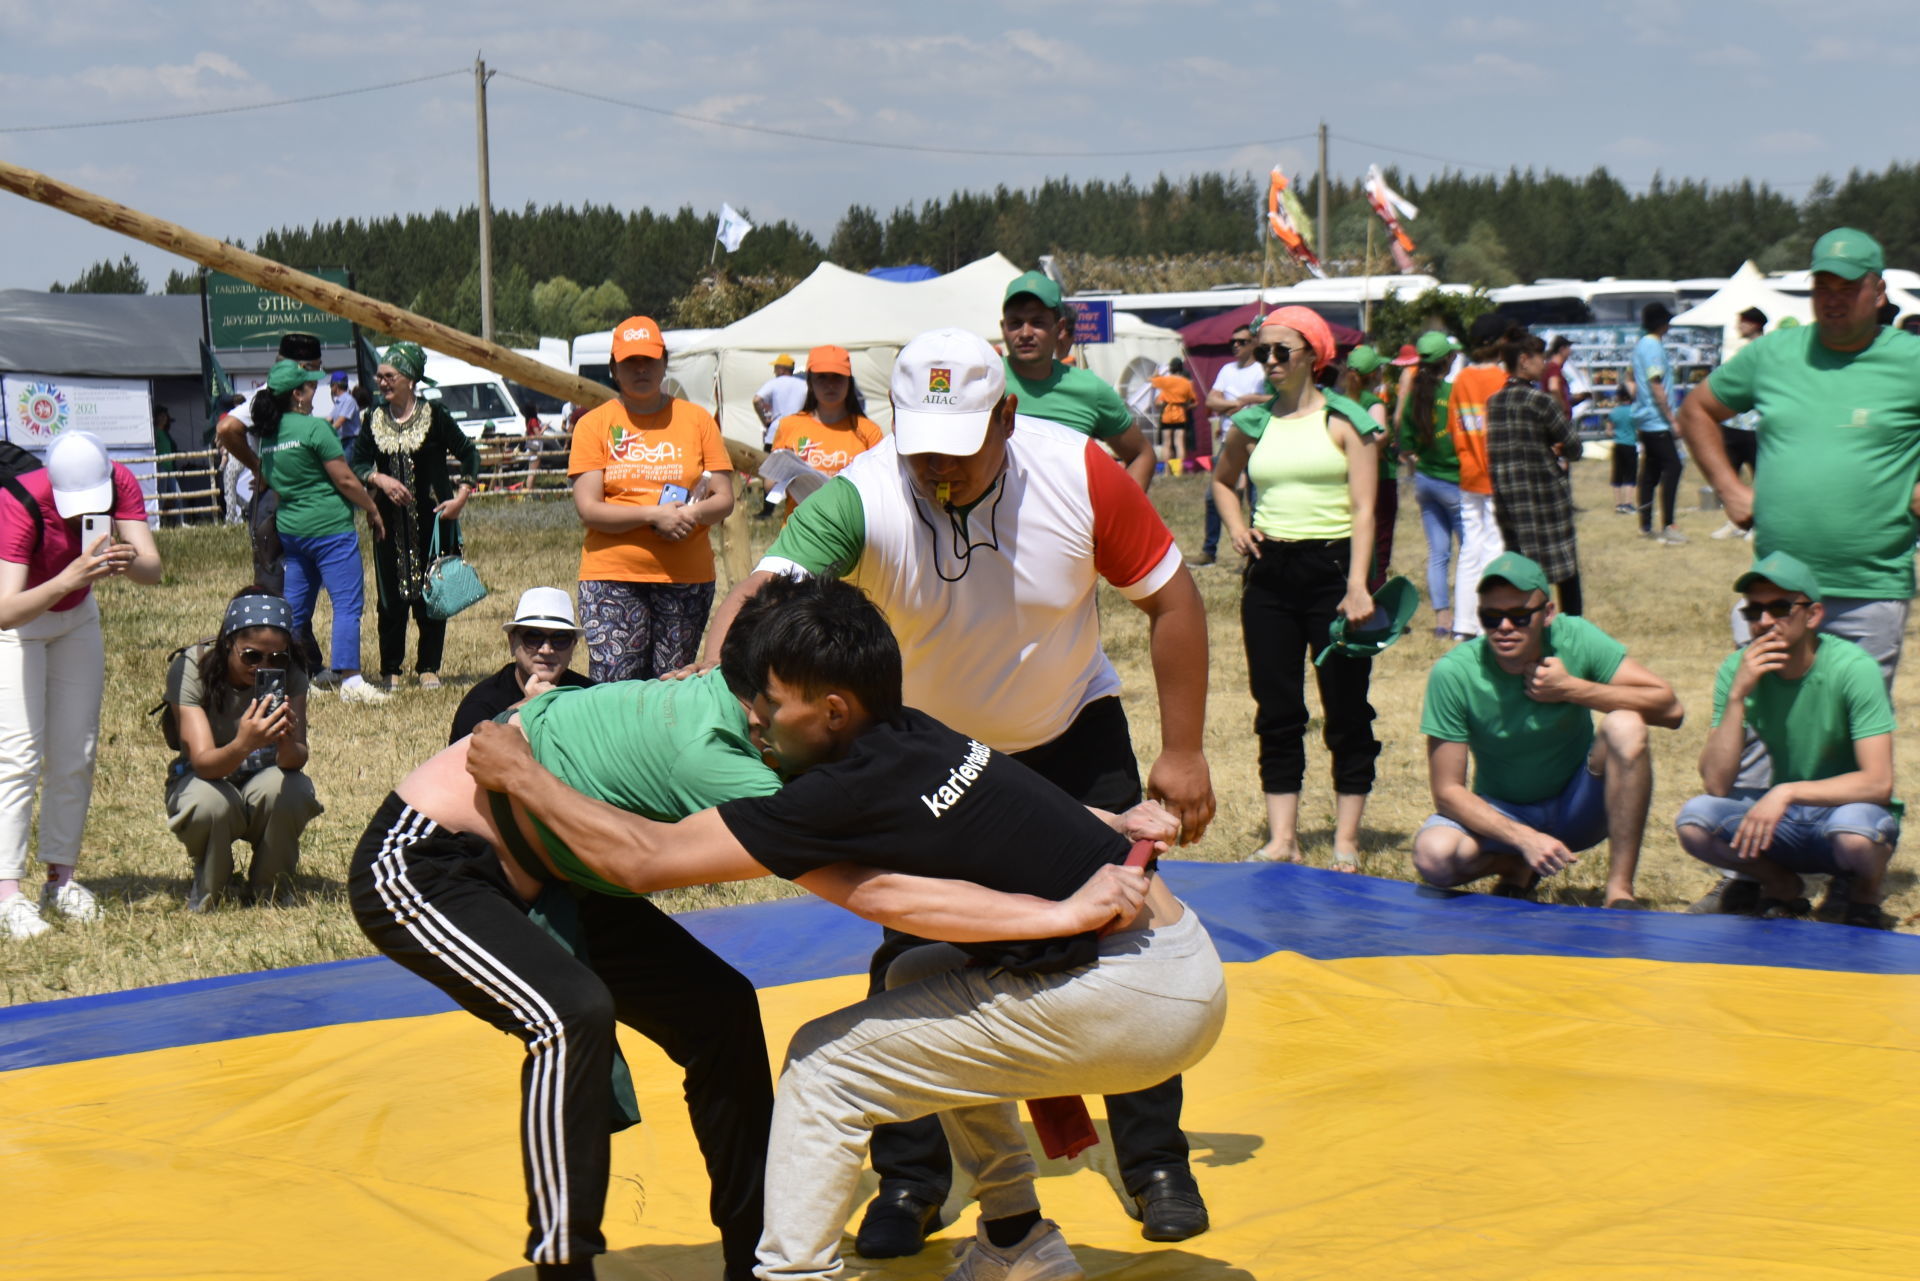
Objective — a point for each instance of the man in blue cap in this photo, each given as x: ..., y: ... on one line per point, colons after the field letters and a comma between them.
x: 1519, y: 701
x: 1818, y: 705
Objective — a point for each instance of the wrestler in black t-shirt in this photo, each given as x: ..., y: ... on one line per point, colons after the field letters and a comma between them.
x: 495, y: 695
x: 913, y: 796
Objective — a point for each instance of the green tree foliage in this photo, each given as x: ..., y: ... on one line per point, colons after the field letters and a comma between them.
x: 182, y: 282
x: 106, y: 277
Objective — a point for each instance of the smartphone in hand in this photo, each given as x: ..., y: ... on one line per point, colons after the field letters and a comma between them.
x: 270, y: 683
x: 672, y: 494
x: 93, y: 527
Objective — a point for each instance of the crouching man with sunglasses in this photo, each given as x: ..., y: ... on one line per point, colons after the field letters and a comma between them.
x: 1520, y: 701
x: 1821, y: 708
x: 542, y: 636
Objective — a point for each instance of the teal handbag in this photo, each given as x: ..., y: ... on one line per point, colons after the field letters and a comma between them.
x: 452, y: 584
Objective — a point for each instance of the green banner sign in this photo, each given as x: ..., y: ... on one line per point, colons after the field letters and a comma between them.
x: 240, y: 315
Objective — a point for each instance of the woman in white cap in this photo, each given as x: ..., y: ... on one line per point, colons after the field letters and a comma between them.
x: 541, y: 636
x: 240, y: 773
x: 303, y: 464
x: 53, y: 663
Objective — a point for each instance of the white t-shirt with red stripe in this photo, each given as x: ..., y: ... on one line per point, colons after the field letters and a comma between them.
x: 995, y: 608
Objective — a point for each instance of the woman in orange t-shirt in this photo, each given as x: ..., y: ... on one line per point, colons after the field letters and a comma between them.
x: 831, y: 428
x: 1176, y: 395
x: 1480, y: 541
x: 646, y: 575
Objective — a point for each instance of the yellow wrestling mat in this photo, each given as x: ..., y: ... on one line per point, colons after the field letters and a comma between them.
x: 1378, y: 1116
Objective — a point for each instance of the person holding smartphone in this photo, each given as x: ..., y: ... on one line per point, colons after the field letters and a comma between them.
x: 53, y: 662
x: 238, y: 711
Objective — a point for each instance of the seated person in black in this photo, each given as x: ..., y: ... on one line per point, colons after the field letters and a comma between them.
x: 541, y: 636
x: 883, y: 785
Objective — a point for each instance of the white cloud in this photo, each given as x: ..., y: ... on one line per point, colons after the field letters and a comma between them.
x: 208, y: 77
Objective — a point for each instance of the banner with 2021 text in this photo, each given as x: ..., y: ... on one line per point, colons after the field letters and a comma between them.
x: 39, y: 407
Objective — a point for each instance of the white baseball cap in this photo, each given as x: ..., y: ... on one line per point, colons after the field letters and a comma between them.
x: 81, y: 474
x: 945, y: 385
x: 546, y: 608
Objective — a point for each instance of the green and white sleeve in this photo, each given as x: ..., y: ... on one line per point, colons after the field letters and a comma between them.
x: 824, y: 536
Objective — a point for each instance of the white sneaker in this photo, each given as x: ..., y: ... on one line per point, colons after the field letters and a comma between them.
x: 1672, y: 536
x: 1043, y: 1255
x: 1728, y: 530
x: 361, y: 691
x: 20, y: 919
x: 72, y: 900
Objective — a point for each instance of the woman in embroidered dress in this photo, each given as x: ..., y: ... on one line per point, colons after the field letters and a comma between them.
x: 402, y: 455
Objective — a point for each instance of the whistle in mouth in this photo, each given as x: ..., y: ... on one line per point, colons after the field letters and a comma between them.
x: 944, y: 492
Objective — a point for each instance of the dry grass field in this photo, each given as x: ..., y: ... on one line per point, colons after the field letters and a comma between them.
x: 1668, y: 604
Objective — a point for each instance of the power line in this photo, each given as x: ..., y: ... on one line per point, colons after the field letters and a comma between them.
x: 689, y: 118
x: 227, y: 111
x: 1445, y: 160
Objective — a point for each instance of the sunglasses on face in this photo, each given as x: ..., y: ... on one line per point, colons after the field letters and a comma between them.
x: 1283, y: 353
x: 1490, y: 619
x: 555, y: 641
x: 1775, y: 609
x: 255, y: 657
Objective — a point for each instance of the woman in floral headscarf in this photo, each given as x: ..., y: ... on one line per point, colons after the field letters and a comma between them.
x: 402, y: 455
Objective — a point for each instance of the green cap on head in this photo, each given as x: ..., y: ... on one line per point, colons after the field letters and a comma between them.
x: 1848, y: 253
x: 1433, y: 345
x: 1516, y: 571
x: 1394, y: 605
x: 1037, y: 283
x: 288, y: 374
x: 1364, y: 359
x: 1785, y: 572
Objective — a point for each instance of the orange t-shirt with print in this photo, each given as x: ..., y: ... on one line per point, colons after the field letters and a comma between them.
x: 1176, y: 393
x: 1467, y: 423
x: 636, y: 454
x: 826, y: 447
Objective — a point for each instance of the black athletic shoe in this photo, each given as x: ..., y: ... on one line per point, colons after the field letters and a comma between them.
x: 1838, y: 898
x: 1171, y: 1208
x: 1730, y: 897
x: 896, y: 1225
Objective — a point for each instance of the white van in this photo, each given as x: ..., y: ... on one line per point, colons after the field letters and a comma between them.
x: 478, y: 399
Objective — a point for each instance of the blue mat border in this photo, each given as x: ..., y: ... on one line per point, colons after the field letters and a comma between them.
x: 1252, y: 910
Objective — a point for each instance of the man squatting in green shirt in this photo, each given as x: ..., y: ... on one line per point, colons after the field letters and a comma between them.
x: 445, y: 875
x: 1519, y: 700
x: 1819, y: 705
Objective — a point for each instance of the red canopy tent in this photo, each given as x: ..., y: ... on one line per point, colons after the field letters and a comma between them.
x: 1208, y: 353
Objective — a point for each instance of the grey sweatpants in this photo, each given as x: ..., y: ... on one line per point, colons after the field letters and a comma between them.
x: 969, y: 1044
x: 270, y: 810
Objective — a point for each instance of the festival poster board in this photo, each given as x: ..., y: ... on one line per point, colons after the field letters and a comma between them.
x: 38, y: 407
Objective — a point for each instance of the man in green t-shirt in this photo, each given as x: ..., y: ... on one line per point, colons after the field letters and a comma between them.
x: 1841, y: 402
x: 1819, y: 706
x: 1519, y: 700
x: 1031, y: 323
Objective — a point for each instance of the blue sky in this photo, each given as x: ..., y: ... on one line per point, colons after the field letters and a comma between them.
x: 1759, y: 88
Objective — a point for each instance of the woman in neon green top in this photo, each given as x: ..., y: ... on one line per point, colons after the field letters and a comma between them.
x: 1308, y: 549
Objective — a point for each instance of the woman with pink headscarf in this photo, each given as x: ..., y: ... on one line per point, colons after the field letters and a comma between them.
x: 1308, y: 552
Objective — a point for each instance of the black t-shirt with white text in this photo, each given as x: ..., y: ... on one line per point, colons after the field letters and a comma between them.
x: 914, y: 796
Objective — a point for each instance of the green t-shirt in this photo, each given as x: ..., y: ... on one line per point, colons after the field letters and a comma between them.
x: 826, y: 534
x: 1524, y: 752
x: 1073, y: 398
x: 294, y: 464
x: 660, y: 749
x: 1838, y: 457
x: 1810, y: 725
x: 1624, y: 432
x: 1438, y: 459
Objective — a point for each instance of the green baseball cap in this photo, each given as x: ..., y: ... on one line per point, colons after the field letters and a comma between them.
x: 1364, y: 359
x: 288, y: 374
x: 1516, y: 571
x: 1848, y: 253
x: 1433, y: 345
x: 1037, y: 283
x: 1393, y: 609
x: 1784, y: 572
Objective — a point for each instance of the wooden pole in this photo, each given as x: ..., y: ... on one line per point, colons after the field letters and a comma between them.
x: 486, y: 200
x: 1325, y: 247
x: 370, y: 313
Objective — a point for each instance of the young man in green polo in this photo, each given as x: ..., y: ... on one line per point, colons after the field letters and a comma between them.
x: 1031, y: 318
x: 1818, y: 704
x: 1519, y: 701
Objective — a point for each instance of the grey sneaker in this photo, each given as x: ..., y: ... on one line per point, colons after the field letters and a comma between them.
x: 1731, y: 897
x: 1043, y: 1255
x: 72, y: 900
x: 1672, y: 537
x: 20, y: 919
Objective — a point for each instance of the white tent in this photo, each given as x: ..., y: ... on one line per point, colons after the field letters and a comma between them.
x: 873, y: 319
x: 1746, y: 288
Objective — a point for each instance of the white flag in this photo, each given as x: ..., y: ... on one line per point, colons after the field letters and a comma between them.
x: 733, y: 228
x: 1376, y: 186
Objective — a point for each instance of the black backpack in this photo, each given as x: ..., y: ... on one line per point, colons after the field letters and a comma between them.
x: 15, y: 462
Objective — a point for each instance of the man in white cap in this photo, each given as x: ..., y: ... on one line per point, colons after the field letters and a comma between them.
x: 52, y: 661
x: 783, y: 394
x: 541, y: 636
x: 983, y: 535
